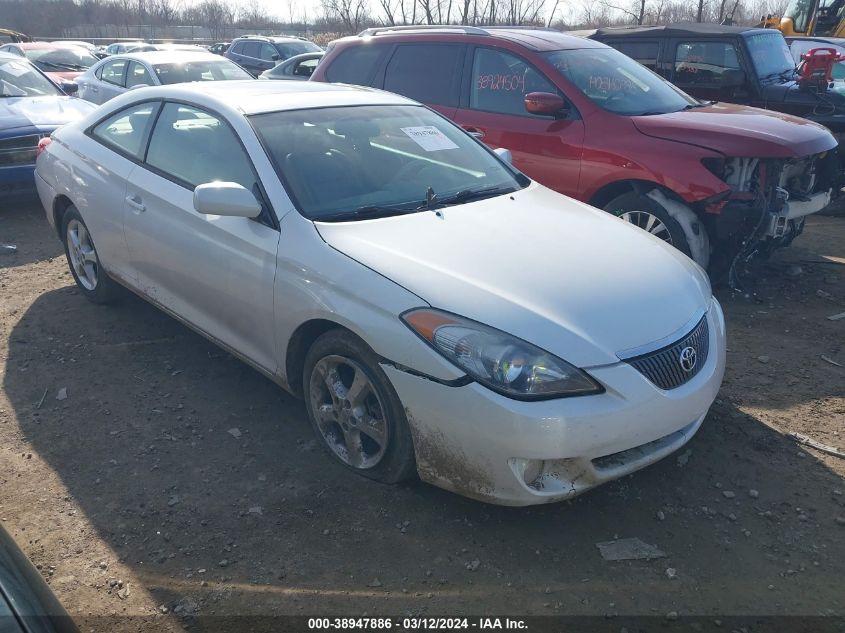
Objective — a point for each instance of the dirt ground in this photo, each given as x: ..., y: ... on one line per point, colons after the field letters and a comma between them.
x: 174, y: 483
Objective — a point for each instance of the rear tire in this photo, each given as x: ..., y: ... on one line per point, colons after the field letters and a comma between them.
x: 84, y: 262
x: 355, y: 411
x: 648, y: 214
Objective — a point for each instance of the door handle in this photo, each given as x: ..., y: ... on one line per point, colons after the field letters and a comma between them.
x: 94, y: 89
x: 475, y: 132
x: 135, y: 203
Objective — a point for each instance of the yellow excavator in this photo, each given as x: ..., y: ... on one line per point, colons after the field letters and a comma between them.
x: 822, y: 18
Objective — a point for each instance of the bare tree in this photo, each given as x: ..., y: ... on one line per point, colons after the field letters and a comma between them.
x: 390, y: 7
x: 636, y: 11
x: 350, y: 13
x: 164, y: 11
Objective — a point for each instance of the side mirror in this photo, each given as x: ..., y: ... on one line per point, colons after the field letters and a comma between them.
x: 733, y: 78
x: 225, y: 198
x: 544, y: 103
x: 275, y: 58
x: 69, y: 87
x: 303, y: 71
x: 504, y: 154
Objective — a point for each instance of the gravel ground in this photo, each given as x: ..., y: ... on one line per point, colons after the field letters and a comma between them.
x: 149, y: 474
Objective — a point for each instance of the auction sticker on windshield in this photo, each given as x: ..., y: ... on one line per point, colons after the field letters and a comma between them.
x: 429, y: 138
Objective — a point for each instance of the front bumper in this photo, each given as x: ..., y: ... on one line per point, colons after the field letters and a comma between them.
x: 483, y: 445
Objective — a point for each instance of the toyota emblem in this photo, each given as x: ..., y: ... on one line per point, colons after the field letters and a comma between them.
x: 688, y: 358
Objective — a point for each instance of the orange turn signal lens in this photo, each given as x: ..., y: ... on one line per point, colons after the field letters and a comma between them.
x: 425, y: 322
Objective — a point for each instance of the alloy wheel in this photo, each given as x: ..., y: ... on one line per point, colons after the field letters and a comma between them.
x: 648, y: 222
x: 82, y: 255
x: 348, y: 412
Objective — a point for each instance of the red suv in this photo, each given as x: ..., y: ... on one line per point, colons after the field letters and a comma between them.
x: 590, y: 122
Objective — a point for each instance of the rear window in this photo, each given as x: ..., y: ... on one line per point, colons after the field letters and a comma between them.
x: 426, y: 72
x: 205, y: 70
x: 356, y: 65
x: 289, y: 49
x: 644, y: 52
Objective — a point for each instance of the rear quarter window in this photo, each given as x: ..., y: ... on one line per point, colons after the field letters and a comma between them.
x: 356, y: 65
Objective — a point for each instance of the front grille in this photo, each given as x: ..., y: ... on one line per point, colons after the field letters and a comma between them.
x: 673, y: 365
x: 19, y: 150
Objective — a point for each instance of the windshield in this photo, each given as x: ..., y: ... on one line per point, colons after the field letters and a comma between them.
x: 338, y: 162
x: 617, y: 83
x: 19, y: 79
x: 289, y: 49
x: 212, y: 70
x: 769, y: 53
x: 61, y: 59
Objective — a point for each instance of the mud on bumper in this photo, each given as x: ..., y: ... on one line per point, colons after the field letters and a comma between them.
x: 480, y: 444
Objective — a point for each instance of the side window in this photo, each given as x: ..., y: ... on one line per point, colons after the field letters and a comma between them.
x: 126, y: 130
x: 305, y: 68
x: 704, y: 63
x: 426, y: 72
x: 251, y: 49
x: 500, y: 82
x: 188, y: 143
x: 356, y: 65
x: 113, y: 72
x: 238, y: 48
x: 138, y: 75
x: 645, y: 53
x: 268, y: 51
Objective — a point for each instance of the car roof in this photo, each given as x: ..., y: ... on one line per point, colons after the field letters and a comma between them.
x: 255, y: 97
x: 272, y: 38
x: 167, y: 57
x: 538, y: 39
x: 678, y: 28
x: 815, y: 38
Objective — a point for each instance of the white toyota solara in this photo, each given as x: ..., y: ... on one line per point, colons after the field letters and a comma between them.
x: 437, y: 311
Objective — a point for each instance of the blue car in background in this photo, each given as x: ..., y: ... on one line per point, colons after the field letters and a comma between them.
x: 31, y: 107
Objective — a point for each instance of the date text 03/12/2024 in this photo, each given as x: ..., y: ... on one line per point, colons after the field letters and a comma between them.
x: 414, y: 624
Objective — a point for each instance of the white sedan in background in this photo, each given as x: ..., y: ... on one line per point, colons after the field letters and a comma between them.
x: 439, y: 312
x: 116, y: 74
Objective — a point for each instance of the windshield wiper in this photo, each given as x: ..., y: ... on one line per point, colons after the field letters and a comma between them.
x: 60, y: 66
x: 368, y: 212
x: 468, y: 195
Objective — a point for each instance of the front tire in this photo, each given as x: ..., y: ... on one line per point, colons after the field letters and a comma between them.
x: 84, y: 262
x: 649, y: 214
x: 354, y: 409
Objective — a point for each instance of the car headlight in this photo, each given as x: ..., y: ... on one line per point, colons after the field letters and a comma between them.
x: 498, y: 360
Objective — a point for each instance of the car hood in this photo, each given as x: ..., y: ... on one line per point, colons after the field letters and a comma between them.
x: 573, y: 280
x: 41, y: 112
x: 740, y: 131
x: 63, y: 75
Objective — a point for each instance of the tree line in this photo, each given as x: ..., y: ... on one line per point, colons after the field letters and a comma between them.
x: 220, y: 19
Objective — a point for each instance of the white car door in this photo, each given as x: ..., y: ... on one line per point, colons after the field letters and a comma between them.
x: 112, y: 153
x: 215, y: 272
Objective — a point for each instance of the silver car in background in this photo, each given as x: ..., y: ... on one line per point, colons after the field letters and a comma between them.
x: 118, y: 73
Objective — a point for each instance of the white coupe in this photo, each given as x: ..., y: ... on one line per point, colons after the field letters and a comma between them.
x: 438, y: 312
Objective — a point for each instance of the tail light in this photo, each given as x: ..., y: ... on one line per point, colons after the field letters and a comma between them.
x: 42, y: 145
